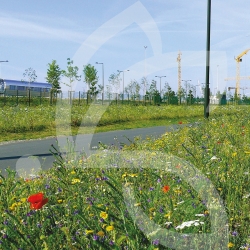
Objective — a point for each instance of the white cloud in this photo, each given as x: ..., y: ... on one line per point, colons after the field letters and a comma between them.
x: 20, y: 28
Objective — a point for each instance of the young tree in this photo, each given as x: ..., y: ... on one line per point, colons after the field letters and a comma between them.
x: 71, y: 73
x: 153, y: 88
x: 29, y: 75
x: 109, y: 91
x: 115, y: 80
x: 91, y: 79
x: 170, y: 95
x: 53, y: 76
x: 133, y: 88
x: 144, y: 84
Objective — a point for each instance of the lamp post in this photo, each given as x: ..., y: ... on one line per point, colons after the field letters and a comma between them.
x: 160, y: 82
x: 145, y: 47
x: 122, y: 81
x: 196, y: 92
x: 1, y: 67
x: 186, y: 82
x: 207, y: 91
x: 102, y: 80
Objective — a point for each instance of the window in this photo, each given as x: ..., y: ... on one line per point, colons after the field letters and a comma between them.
x: 12, y: 87
x: 20, y: 88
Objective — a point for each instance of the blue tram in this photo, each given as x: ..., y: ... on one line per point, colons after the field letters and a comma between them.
x: 21, y: 88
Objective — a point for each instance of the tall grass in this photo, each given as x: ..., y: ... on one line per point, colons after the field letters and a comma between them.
x: 21, y: 119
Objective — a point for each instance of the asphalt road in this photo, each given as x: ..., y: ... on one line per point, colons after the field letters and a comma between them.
x: 18, y: 155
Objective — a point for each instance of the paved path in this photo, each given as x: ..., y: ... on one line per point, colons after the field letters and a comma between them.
x: 15, y: 154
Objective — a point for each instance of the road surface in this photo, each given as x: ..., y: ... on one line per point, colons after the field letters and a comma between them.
x: 18, y: 154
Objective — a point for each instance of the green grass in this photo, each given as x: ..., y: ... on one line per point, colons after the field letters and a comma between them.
x: 20, y: 123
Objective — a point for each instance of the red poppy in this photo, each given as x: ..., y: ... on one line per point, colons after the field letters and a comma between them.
x: 165, y: 189
x: 37, y: 201
x: 180, y: 122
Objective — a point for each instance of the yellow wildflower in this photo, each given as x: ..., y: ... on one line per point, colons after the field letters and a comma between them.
x: 104, y: 215
x: 89, y: 231
x: 137, y: 204
x: 133, y: 175
x: 59, y: 201
x: 101, y: 233
x: 230, y: 244
x: 110, y: 228
x: 74, y: 181
x: 206, y: 212
x: 124, y: 175
x: 168, y: 215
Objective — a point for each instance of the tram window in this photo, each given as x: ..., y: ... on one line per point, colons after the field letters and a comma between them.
x: 12, y: 87
x: 20, y: 87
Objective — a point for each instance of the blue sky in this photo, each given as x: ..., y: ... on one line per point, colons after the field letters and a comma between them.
x: 113, y: 32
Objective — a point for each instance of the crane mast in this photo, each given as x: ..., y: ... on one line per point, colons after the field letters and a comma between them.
x: 238, y: 59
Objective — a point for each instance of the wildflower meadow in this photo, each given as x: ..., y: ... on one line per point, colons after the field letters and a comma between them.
x: 188, y: 189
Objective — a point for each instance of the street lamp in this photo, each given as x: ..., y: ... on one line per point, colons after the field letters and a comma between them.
x: 122, y: 81
x: 207, y: 91
x: 186, y: 82
x: 102, y: 80
x: 145, y: 47
x: 102, y: 75
x: 160, y: 82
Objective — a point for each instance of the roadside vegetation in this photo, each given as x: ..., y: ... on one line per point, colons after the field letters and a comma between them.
x: 111, y: 199
x: 24, y: 122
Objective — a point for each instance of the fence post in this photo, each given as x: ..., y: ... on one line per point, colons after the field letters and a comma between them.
x: 128, y: 98
x: 17, y: 97
x: 29, y: 97
x: 79, y: 98
x: 102, y: 97
x: 50, y: 97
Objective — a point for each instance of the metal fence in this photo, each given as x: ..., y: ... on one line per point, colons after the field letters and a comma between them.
x: 34, y: 98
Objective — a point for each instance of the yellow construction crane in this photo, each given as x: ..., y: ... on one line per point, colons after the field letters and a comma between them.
x: 179, y: 74
x: 238, y: 59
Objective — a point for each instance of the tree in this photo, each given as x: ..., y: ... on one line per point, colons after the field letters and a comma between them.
x: 133, y: 88
x: 109, y: 91
x: 53, y: 76
x: 153, y: 92
x: 115, y: 80
x: 190, y: 97
x: 91, y: 78
x: 144, y: 83
x: 29, y: 75
x: 71, y: 73
x: 170, y: 95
